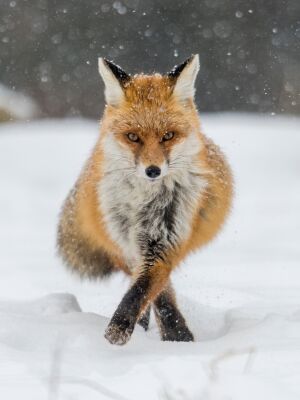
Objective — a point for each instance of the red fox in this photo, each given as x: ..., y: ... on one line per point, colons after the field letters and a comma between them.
x: 153, y: 190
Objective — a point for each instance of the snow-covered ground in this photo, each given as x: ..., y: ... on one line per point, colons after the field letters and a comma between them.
x: 240, y: 295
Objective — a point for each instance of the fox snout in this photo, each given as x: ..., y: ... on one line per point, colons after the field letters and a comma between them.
x: 151, y: 161
x: 152, y: 172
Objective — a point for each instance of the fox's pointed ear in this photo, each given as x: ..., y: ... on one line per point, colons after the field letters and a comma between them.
x: 184, y: 76
x: 114, y: 79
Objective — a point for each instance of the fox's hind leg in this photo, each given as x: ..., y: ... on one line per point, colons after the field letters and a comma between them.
x: 171, y: 322
x: 145, y: 319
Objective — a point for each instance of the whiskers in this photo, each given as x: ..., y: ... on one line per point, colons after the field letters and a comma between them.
x: 122, y: 169
x: 119, y: 166
x: 183, y: 164
x: 121, y: 172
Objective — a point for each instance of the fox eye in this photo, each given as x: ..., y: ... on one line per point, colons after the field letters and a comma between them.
x: 133, y: 137
x: 168, y: 136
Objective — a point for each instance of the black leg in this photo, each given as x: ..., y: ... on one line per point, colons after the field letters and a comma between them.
x: 171, y: 323
x: 125, y: 317
x: 145, y: 319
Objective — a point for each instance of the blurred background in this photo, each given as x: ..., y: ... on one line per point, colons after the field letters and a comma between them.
x: 249, y: 51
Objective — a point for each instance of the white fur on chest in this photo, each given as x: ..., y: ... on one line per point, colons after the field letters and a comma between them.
x: 123, y: 202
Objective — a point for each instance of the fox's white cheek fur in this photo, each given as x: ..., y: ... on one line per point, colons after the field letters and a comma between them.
x: 189, y: 147
x: 116, y: 156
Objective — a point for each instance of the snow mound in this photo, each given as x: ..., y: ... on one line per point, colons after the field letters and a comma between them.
x: 17, y: 105
x: 51, y: 304
x: 240, y: 295
x: 64, y: 348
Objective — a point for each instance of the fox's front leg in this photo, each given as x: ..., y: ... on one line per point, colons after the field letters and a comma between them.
x: 150, y: 281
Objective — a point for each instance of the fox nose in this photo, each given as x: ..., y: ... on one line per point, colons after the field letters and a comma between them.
x: 152, y: 171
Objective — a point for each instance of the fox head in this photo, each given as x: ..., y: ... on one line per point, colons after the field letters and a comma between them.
x: 150, y: 128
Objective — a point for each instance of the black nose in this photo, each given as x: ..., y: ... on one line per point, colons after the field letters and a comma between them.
x: 153, y: 171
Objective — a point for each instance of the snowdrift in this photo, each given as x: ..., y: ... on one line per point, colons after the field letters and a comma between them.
x: 240, y: 295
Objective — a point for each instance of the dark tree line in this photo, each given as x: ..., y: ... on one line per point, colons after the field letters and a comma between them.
x: 249, y: 50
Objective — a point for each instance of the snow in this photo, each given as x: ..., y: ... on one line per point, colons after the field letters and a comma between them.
x: 17, y: 105
x: 240, y: 295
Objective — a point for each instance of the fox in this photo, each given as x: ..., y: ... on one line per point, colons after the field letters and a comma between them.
x: 154, y: 190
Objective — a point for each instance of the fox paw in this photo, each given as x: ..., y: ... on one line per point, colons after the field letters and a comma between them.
x: 117, y: 334
x: 180, y: 334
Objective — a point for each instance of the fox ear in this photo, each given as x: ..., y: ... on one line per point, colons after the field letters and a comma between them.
x: 114, y: 79
x: 184, y: 76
